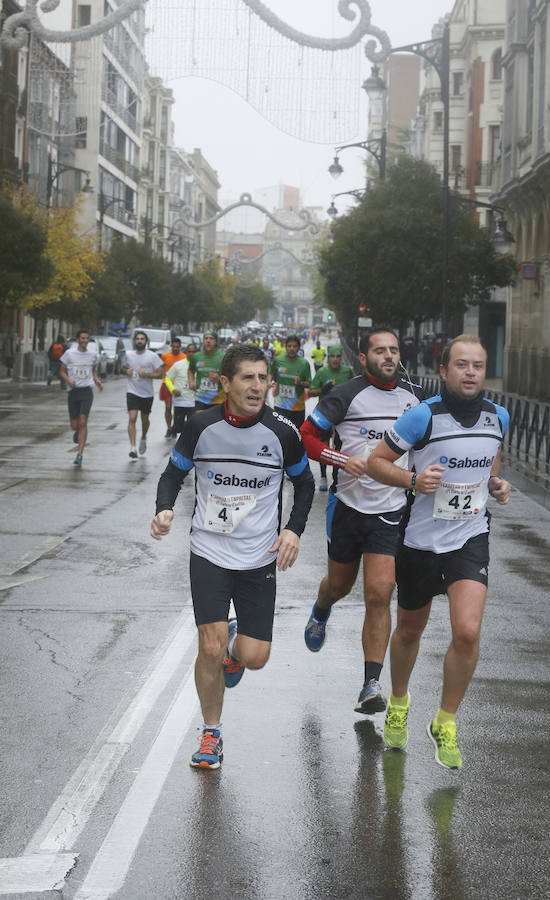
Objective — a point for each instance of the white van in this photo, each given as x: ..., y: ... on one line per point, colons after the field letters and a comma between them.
x: 160, y: 339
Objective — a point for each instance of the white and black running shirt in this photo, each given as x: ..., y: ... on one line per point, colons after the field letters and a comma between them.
x: 444, y: 521
x: 239, y: 467
x: 360, y: 413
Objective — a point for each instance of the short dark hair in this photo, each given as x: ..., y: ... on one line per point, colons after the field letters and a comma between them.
x: 239, y: 353
x: 293, y: 337
x: 364, y: 343
x: 460, y: 339
x: 143, y: 333
x: 191, y: 344
x: 82, y: 331
x: 175, y: 340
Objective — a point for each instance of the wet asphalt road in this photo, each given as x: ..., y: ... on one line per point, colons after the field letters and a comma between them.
x: 99, y: 715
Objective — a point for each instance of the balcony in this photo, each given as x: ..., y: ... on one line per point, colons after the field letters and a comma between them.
x: 486, y: 174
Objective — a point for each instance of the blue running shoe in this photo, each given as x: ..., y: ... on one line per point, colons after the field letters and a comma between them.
x: 371, y: 699
x: 233, y: 669
x: 315, y: 632
x: 210, y: 753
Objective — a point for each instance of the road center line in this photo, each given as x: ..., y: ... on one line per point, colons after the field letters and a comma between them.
x: 112, y: 862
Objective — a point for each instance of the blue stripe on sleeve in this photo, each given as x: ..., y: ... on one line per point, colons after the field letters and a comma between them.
x: 411, y: 426
x: 319, y: 420
x: 298, y: 468
x: 180, y: 461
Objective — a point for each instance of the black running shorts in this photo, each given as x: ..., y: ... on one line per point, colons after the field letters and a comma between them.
x: 80, y: 401
x: 252, y: 592
x: 351, y: 533
x: 143, y: 404
x: 422, y: 574
x: 181, y: 414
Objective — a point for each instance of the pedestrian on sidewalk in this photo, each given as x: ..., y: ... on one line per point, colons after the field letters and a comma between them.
x: 454, y: 444
x: 362, y: 516
x: 78, y: 369
x: 240, y: 451
x: 141, y: 366
x: 55, y: 352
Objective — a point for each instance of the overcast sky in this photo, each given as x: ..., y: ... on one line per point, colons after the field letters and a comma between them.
x: 248, y: 153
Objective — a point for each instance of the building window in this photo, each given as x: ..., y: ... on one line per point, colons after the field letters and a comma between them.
x: 494, y: 143
x: 81, y: 132
x: 496, y: 65
x: 458, y: 84
x: 456, y: 158
x: 438, y: 120
x: 84, y: 15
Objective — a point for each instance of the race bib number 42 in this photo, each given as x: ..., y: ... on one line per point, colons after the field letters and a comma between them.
x: 225, y: 514
x: 458, y: 501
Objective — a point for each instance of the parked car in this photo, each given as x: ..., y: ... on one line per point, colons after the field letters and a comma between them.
x: 114, y: 350
x: 196, y: 337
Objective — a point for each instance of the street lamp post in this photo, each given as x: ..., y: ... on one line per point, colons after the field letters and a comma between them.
x: 437, y: 53
x: 332, y: 210
x: 60, y: 169
x: 377, y: 148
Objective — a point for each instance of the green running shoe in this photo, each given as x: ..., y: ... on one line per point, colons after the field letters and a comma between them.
x: 444, y: 740
x: 395, y: 725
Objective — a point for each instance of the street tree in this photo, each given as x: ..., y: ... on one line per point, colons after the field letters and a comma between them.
x: 24, y: 264
x: 388, y: 252
x: 250, y: 296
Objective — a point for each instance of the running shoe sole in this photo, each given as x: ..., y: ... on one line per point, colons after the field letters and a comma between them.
x: 206, y: 765
x: 369, y: 707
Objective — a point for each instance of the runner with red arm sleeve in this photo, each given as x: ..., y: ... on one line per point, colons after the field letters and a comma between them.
x: 362, y: 515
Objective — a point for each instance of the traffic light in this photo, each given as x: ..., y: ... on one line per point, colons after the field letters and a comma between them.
x: 330, y: 317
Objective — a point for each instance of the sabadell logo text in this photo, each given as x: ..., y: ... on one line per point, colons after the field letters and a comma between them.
x: 453, y: 463
x: 235, y: 481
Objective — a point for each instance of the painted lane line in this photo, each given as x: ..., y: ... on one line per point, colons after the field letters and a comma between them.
x: 70, y: 812
x: 46, y: 872
x: 112, y: 862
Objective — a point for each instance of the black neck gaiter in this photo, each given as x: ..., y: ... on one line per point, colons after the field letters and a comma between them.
x: 467, y: 412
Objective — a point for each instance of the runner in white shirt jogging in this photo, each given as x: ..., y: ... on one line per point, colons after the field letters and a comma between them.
x: 454, y: 441
x: 78, y: 370
x: 141, y: 365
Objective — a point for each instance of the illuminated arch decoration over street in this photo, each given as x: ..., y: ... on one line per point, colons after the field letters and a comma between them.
x: 305, y: 85
x: 297, y: 221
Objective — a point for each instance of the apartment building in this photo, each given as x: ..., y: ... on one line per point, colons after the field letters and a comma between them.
x: 524, y: 190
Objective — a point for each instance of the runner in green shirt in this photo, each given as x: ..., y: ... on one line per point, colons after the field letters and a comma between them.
x: 204, y: 373
x: 323, y: 381
x: 292, y: 374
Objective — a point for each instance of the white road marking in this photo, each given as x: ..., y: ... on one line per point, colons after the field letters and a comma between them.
x: 44, y: 872
x: 112, y: 862
x: 69, y: 814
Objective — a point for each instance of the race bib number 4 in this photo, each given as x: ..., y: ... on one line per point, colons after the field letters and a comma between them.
x: 458, y: 501
x: 225, y: 514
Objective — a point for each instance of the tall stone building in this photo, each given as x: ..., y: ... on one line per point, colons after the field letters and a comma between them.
x: 525, y: 191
